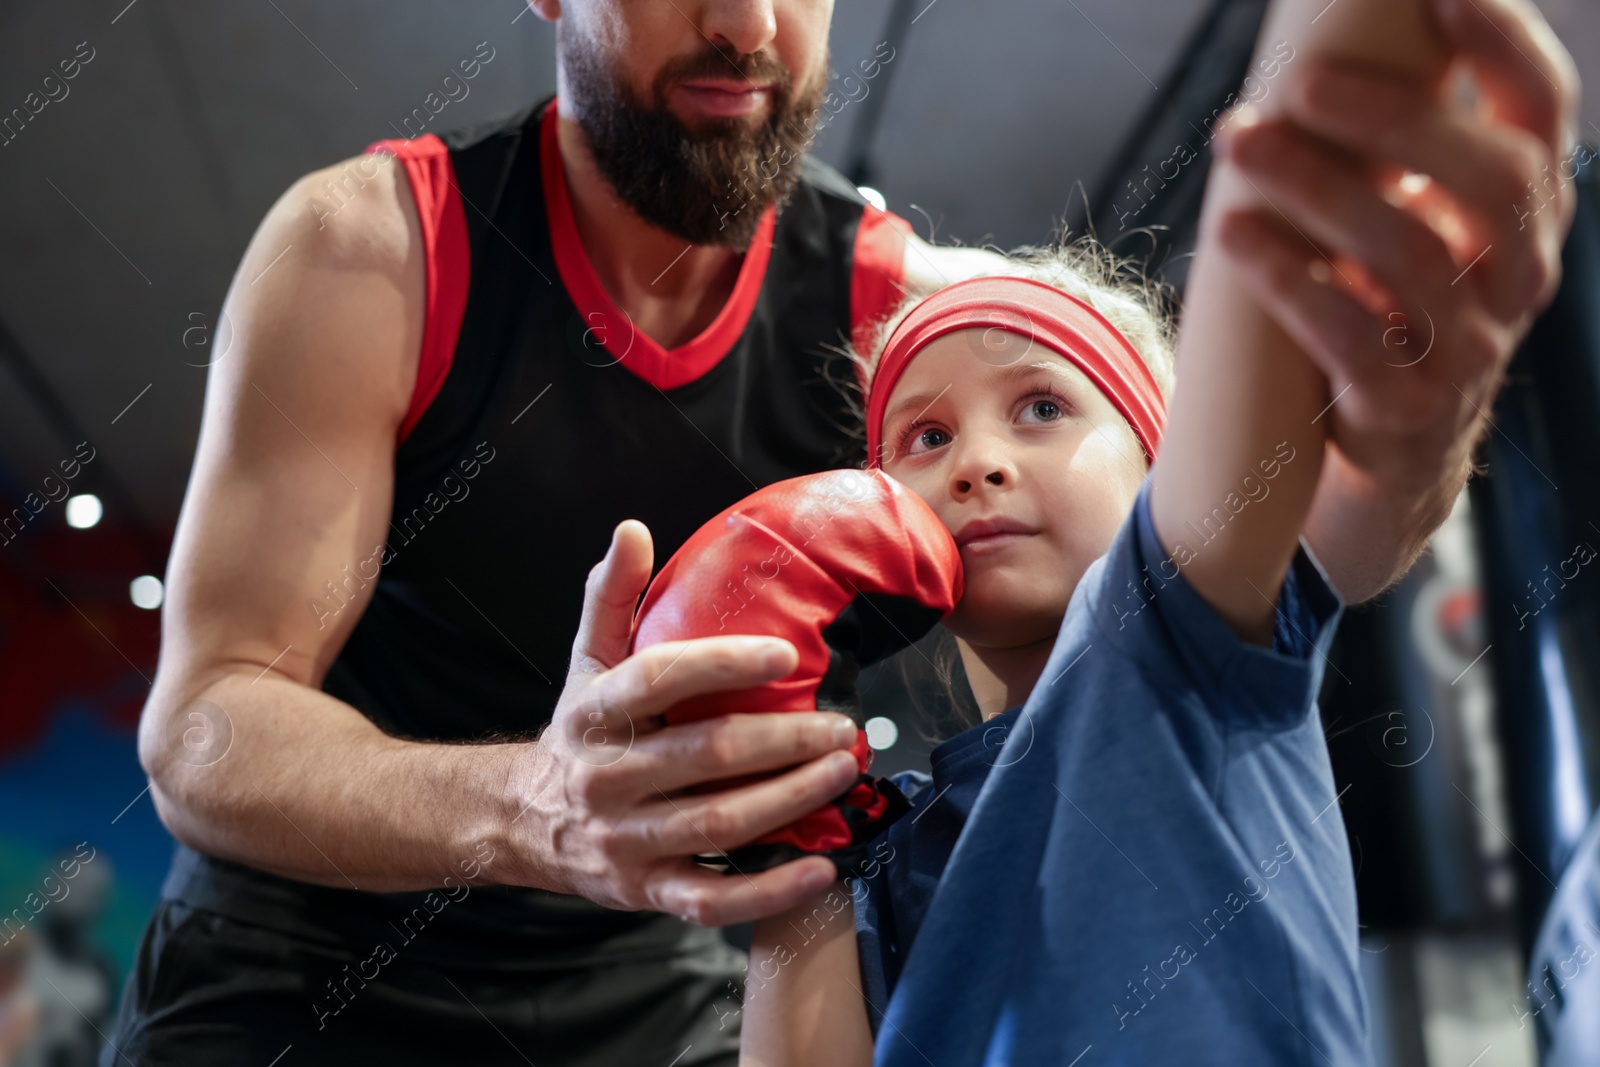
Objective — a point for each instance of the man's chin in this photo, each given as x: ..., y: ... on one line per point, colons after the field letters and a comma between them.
x: 713, y: 129
x: 706, y: 178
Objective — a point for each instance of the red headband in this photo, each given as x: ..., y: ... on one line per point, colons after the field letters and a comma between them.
x: 1060, y: 322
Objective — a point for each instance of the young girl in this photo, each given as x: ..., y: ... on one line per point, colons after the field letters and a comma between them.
x: 1136, y: 857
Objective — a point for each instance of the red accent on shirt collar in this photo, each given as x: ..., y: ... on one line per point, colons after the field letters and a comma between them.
x: 609, y: 324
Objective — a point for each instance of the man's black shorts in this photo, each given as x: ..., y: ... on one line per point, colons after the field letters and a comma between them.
x: 206, y: 989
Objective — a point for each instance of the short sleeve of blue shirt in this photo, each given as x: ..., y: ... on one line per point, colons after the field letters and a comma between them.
x: 1151, y: 868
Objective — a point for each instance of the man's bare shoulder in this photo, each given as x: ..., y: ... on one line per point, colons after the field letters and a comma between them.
x: 359, y: 212
x: 333, y: 284
x: 929, y: 266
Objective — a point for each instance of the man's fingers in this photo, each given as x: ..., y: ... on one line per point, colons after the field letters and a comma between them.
x: 1490, y: 181
x: 1386, y: 119
x: 656, y: 678
x: 1518, y: 63
x: 609, y: 598
x: 1295, y: 287
x: 626, y: 704
x: 703, y: 896
x: 1338, y: 212
x: 732, y: 745
x: 720, y: 822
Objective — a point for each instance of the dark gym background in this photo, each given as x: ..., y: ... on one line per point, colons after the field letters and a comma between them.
x: 1468, y: 724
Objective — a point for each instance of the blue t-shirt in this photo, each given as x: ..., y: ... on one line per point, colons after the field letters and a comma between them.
x: 1151, y: 869
x: 904, y: 864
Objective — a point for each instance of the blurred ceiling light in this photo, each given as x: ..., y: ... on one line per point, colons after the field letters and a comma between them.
x: 83, y: 511
x: 146, y: 591
x: 882, y: 733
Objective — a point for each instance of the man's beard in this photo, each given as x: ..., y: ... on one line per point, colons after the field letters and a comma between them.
x: 709, y: 186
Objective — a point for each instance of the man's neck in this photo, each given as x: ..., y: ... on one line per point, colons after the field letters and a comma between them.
x: 1002, y: 678
x: 670, y: 289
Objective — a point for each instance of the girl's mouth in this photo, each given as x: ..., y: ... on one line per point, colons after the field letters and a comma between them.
x: 987, y: 535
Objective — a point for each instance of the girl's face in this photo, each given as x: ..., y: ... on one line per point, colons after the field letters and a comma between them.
x: 1026, y: 463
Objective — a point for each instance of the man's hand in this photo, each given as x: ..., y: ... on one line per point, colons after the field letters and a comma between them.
x: 1413, y: 244
x: 599, y: 807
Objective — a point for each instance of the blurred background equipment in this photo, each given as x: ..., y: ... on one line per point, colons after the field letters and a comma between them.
x: 19, y: 1009
x: 1469, y: 740
x: 67, y: 961
x: 1538, y: 514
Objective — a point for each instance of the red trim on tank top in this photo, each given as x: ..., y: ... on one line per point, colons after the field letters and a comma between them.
x: 877, y: 279
x: 663, y: 368
x: 447, y: 262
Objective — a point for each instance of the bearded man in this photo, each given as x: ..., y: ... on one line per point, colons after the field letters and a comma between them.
x: 427, y: 808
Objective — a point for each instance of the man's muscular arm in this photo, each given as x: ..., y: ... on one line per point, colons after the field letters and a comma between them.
x: 293, y: 481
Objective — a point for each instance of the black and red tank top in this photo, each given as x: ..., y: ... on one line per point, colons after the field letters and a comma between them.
x: 569, y: 420
x: 540, y: 419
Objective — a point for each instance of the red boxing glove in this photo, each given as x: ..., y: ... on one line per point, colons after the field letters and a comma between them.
x: 849, y: 566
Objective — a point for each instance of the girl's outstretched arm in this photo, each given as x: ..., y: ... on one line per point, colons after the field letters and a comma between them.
x: 803, y: 1004
x: 1244, y: 443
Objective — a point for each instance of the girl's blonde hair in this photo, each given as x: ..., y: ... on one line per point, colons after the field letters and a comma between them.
x: 1142, y: 309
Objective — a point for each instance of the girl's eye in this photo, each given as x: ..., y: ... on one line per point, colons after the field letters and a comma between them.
x: 925, y: 439
x: 1047, y: 408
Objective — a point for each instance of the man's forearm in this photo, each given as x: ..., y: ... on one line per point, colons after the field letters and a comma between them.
x: 1367, y: 539
x: 310, y: 789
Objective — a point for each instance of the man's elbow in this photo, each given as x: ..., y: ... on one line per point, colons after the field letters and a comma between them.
x: 177, y: 788
x: 177, y: 740
x: 154, y: 754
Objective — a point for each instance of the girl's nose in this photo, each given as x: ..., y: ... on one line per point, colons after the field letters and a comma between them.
x: 997, y: 475
x: 994, y: 477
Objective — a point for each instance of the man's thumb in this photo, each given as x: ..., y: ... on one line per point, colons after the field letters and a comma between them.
x: 609, y: 598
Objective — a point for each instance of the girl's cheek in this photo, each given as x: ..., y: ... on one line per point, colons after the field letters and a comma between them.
x: 925, y: 484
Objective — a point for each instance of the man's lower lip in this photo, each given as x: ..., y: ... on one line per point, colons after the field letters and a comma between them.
x: 722, y: 102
